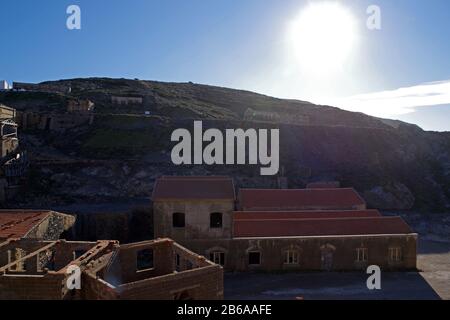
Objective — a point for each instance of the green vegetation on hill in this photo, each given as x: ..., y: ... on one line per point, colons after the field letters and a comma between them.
x: 392, y: 163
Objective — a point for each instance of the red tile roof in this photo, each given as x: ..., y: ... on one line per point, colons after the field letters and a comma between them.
x: 17, y: 223
x: 313, y: 214
x: 319, y: 227
x: 196, y: 177
x: 299, y: 199
x: 193, y: 188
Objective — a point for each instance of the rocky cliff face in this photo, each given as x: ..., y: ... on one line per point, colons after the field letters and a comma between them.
x: 393, y: 165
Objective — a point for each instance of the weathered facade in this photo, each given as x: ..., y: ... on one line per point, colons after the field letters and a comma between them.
x: 183, y: 208
x: 80, y: 106
x: 7, y: 113
x: 13, y: 164
x: 9, y: 139
x: 317, y: 253
x: 152, y: 270
x: 54, y: 122
x: 280, y: 230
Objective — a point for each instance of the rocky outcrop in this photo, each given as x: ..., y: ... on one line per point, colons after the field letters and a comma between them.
x: 395, y: 196
x: 393, y: 165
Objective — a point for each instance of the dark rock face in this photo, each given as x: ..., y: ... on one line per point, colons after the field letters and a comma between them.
x: 393, y: 165
x: 395, y: 196
x: 133, y: 226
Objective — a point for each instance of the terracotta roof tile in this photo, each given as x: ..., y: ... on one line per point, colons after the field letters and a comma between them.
x: 17, y: 223
x: 313, y: 214
x: 319, y: 227
x: 193, y: 188
x: 299, y: 199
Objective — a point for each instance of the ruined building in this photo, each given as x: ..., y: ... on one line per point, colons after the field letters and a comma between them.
x: 8, y: 136
x: 13, y: 162
x: 8, y: 131
x: 80, y: 106
x: 275, y: 230
x: 7, y: 113
x: 126, y: 100
x: 279, y: 117
x: 35, y: 265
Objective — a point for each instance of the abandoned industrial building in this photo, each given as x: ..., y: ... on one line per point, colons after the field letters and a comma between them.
x: 202, y: 229
x: 35, y: 265
x: 13, y: 161
x: 282, y: 229
x: 127, y: 100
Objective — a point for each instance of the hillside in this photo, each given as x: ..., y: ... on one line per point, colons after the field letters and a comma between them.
x: 394, y: 165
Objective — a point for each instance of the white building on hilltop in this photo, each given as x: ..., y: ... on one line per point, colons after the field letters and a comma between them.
x: 4, y: 85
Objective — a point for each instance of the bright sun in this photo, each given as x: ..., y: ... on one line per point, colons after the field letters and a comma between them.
x: 322, y: 36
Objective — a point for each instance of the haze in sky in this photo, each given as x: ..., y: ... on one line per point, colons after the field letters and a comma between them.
x: 321, y: 51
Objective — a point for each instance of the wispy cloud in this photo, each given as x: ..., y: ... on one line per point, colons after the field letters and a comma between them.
x: 397, y: 102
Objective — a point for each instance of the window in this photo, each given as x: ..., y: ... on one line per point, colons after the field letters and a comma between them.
x: 362, y: 254
x: 10, y: 260
x: 291, y: 257
x: 178, y: 220
x: 216, y: 220
x: 217, y: 257
x: 254, y: 258
x: 395, y: 254
x: 144, y: 259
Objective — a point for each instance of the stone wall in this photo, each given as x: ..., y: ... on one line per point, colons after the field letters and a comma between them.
x: 42, y: 287
x: 197, y: 219
x: 310, y: 250
x: 52, y: 227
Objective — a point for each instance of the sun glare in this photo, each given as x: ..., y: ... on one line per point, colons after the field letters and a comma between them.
x: 322, y: 36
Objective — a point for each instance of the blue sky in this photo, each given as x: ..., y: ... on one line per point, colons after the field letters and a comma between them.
x: 240, y: 44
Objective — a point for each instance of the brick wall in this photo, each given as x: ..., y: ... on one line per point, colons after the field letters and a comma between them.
x: 46, y: 287
x: 199, y: 284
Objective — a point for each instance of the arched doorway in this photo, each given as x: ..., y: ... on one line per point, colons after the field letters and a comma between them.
x: 326, y: 257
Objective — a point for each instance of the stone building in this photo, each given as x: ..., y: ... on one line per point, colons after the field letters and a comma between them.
x: 193, y: 208
x: 280, y: 230
x: 80, y: 106
x: 278, y: 117
x: 7, y: 113
x: 151, y: 270
x: 9, y: 140
x: 8, y: 131
x: 35, y: 264
x: 11, y: 160
x: 54, y: 121
x: 126, y: 100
